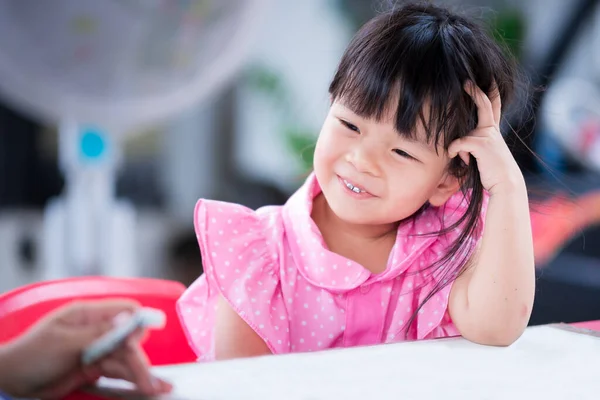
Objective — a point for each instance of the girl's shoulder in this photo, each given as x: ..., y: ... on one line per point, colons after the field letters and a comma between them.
x: 227, y: 229
x: 240, y: 250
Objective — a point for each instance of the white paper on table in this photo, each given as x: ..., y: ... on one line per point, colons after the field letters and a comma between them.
x: 545, y: 363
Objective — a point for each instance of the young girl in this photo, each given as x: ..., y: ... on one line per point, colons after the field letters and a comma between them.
x: 386, y: 240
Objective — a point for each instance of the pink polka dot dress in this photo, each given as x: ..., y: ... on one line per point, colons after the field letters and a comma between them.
x: 274, y: 269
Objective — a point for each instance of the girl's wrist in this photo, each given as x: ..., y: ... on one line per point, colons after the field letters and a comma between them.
x: 512, y: 187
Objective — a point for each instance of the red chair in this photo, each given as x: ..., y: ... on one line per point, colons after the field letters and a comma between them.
x: 21, y: 307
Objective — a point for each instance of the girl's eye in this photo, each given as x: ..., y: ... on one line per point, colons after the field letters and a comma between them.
x: 403, y: 154
x: 349, y: 126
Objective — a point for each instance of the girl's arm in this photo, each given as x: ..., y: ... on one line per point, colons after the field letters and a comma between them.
x: 491, y: 303
x: 234, y: 338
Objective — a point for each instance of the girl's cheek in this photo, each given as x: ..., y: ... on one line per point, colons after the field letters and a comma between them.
x: 331, y: 144
x: 323, y: 149
x: 318, y: 160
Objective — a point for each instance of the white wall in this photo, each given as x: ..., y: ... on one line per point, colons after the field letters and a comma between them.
x: 303, y: 41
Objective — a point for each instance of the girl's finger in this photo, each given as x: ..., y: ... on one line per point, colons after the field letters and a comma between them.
x: 466, y: 157
x: 470, y: 144
x: 485, y: 113
x: 496, y: 103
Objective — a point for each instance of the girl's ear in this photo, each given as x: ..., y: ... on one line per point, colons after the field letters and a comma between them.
x: 448, y: 185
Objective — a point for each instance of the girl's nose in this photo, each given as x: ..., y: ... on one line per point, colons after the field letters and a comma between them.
x: 363, y: 159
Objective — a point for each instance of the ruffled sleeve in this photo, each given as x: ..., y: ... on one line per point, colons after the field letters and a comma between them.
x: 241, y: 265
x: 433, y: 319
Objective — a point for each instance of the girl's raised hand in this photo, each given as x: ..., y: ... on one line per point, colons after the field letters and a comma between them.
x: 497, y: 167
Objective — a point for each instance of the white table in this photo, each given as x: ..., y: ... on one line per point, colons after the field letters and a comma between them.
x: 545, y: 363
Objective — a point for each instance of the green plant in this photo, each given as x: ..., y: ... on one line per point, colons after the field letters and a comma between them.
x: 299, y: 139
x: 508, y: 29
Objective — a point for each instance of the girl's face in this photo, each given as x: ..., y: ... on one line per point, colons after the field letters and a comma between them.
x: 370, y: 175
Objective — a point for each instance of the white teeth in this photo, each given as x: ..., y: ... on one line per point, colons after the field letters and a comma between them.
x: 350, y: 186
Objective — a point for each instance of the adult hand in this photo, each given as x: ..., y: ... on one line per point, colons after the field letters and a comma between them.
x: 46, y: 361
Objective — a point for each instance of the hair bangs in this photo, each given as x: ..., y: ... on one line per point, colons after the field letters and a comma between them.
x: 411, y: 67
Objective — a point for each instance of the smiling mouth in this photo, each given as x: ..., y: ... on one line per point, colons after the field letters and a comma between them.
x: 354, y: 188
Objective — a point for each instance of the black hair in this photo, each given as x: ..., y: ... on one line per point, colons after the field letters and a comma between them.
x: 420, y: 55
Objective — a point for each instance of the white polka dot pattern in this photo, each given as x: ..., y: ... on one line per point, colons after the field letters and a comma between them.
x: 274, y: 269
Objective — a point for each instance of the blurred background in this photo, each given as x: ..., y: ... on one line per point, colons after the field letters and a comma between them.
x: 117, y: 115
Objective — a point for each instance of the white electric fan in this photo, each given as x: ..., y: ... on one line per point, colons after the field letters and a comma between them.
x: 102, y: 69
